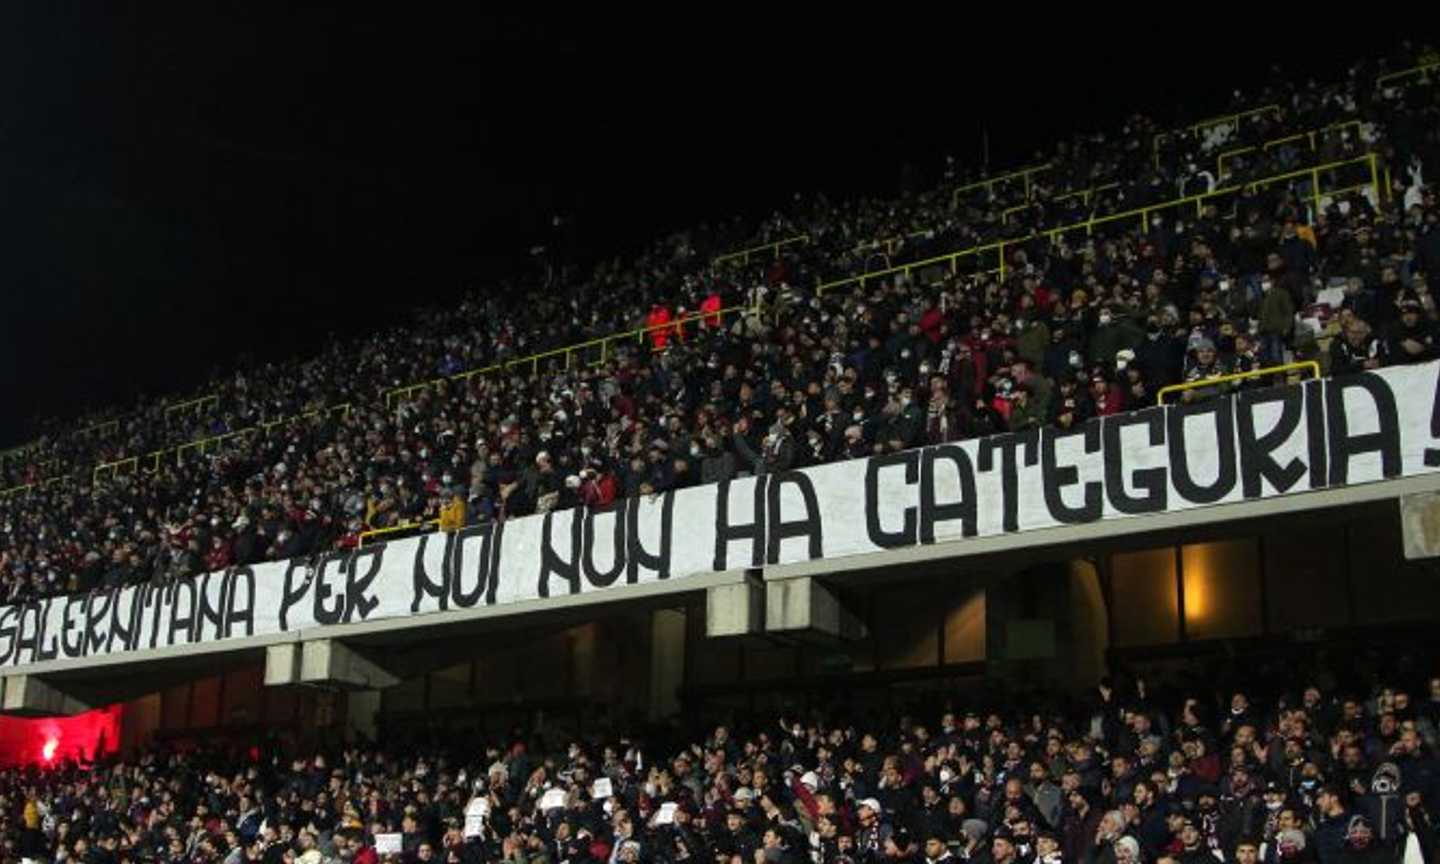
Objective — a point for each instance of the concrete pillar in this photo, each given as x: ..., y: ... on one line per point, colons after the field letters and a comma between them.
x: 803, y: 606
x: 1087, y: 635
x: 1046, y: 626
x: 667, y: 662
x: 735, y: 610
x: 29, y: 696
x: 282, y: 664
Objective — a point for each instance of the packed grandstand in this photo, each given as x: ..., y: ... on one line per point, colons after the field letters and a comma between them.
x: 1297, y: 230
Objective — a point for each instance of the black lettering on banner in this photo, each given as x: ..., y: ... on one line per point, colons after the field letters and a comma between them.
x: 182, y: 623
x: 97, y: 613
x: 551, y: 563
x: 462, y: 598
x: 359, y: 603
x: 492, y: 576
x: 1432, y: 454
x: 214, y: 615
x: 424, y: 586
x: 1315, y: 433
x: 931, y: 512
x: 1256, y: 463
x: 1150, y: 481
x: 68, y: 624
x: 908, y: 533
x: 1055, y: 477
x: 808, y: 527
x: 28, y: 638
x: 324, y: 613
x: 47, y: 643
x: 1009, y: 470
x: 234, y: 612
x: 593, y: 575
x: 291, y: 594
x: 726, y: 533
x: 126, y: 629
x: 636, y: 555
x: 1345, y: 446
x: 1224, y: 418
x: 7, y: 634
x: 160, y: 596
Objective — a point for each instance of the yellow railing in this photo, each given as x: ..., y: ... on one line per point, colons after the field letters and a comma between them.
x: 600, y: 348
x: 603, y: 344
x: 889, y: 244
x: 1025, y: 174
x: 1084, y: 195
x: 1282, y: 369
x: 109, y: 427
x: 1407, y: 73
x: 25, y: 487
x: 395, y: 529
x: 1141, y: 213
x: 195, y: 405
x: 1203, y: 125
x: 1288, y: 139
x: 201, y: 445
x: 772, y: 248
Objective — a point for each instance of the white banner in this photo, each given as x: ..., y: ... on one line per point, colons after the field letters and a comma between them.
x: 1259, y: 444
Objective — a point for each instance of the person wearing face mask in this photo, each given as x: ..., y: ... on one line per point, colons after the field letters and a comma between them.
x: 1114, y: 332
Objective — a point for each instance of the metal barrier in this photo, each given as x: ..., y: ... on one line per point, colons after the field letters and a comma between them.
x: 197, y: 405
x: 570, y: 353
x: 1141, y: 213
x: 109, y: 427
x: 1279, y: 142
x: 1407, y: 73
x: 1284, y: 368
x: 989, y: 185
x: 201, y: 445
x: 395, y: 529
x: 1084, y: 195
x: 774, y: 248
x: 26, y: 487
x: 1226, y: 120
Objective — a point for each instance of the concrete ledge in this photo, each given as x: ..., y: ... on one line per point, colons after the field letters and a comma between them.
x: 326, y: 661
x: 799, y: 605
x: 735, y: 610
x: 282, y: 664
x: 1420, y: 525
x: 28, y: 696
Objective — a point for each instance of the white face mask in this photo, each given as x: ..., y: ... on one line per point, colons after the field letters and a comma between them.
x: 946, y: 775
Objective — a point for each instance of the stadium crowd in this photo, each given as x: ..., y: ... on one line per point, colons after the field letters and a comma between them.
x: 1084, y: 324
x: 1290, y: 769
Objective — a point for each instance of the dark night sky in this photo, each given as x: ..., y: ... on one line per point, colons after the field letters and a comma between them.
x: 181, y: 183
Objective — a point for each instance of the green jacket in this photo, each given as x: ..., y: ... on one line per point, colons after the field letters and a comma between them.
x: 1032, y: 342
x: 1276, y: 313
x: 1113, y: 338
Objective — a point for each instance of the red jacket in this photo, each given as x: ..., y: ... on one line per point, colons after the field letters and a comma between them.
x: 710, y: 306
x: 1113, y: 403
x: 599, y: 492
x: 930, y: 323
x: 659, y: 316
